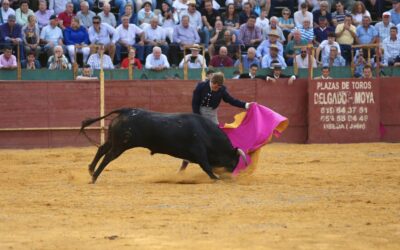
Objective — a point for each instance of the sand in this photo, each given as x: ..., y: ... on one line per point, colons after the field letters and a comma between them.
x: 299, y: 197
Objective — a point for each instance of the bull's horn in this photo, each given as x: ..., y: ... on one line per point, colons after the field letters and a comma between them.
x: 242, y: 154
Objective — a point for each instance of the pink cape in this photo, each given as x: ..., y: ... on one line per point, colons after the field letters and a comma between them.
x: 253, y: 129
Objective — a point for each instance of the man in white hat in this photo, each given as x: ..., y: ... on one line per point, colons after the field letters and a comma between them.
x: 273, y: 56
x: 383, y: 27
x: 263, y: 48
x: 194, y: 60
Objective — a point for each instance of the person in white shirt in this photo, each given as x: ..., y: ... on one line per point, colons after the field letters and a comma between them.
x: 5, y: 11
x: 58, y: 5
x: 95, y: 61
x: 107, y: 16
x: 127, y: 33
x: 23, y: 12
x: 52, y: 36
x: 103, y: 33
x: 262, y: 21
x: 302, y: 60
x: 43, y: 14
x: 325, y: 47
x: 302, y: 14
x: 155, y: 35
x: 193, y: 60
x: 325, y: 73
x: 157, y: 61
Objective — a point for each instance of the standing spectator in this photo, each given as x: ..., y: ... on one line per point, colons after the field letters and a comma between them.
x: 77, y: 35
x: 340, y: 13
x: 304, y: 59
x: 104, y: 34
x: 325, y: 47
x: 31, y: 36
x: 358, y: 12
x: 291, y: 51
x: 184, y: 35
x: 222, y: 59
x: 85, y: 15
x: 58, y: 61
x: 346, y: 36
x: 126, y: 33
x: 23, y: 12
x: 322, y: 12
x: 145, y: 15
x: 157, y: 61
x: 51, y: 35
x: 383, y: 27
x: 273, y: 55
x: 263, y: 48
x: 249, y: 33
x: 246, y: 13
x: 194, y: 60
x: 43, y: 14
x: 249, y: 59
x: 273, y: 25
x: 107, y: 16
x: 95, y: 60
x: 168, y: 20
x: 209, y: 17
x: 391, y: 48
x: 5, y: 11
x: 7, y: 59
x: 155, y: 35
x: 286, y: 23
x: 11, y: 35
x: 395, y: 12
x: 230, y: 18
x: 59, y: 6
x: 322, y: 30
x: 302, y: 14
x: 334, y: 59
x: 325, y: 74
x: 131, y: 60
x: 31, y: 62
x: 367, y: 33
x: 65, y: 17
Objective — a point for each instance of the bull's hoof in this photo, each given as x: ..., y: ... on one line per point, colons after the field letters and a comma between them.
x: 94, y: 180
x: 91, y: 171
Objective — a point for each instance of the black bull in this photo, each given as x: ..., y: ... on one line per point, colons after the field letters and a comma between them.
x: 190, y: 137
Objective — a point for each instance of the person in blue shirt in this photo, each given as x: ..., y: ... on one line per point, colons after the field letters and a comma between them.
x: 77, y: 35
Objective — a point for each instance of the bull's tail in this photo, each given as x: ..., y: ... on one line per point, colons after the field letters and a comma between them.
x: 90, y: 121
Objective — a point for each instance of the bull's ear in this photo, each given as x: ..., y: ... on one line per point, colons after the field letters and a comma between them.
x: 242, y: 154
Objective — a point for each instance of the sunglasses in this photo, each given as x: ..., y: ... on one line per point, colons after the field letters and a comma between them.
x: 286, y: 14
x: 96, y: 22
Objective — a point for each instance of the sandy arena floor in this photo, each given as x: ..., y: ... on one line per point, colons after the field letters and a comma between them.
x: 300, y: 197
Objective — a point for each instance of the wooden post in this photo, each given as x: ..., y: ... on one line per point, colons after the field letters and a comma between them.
x: 310, y: 64
x: 352, y: 62
x: 19, y: 70
x: 102, y: 136
x: 185, y: 64
x: 203, y: 66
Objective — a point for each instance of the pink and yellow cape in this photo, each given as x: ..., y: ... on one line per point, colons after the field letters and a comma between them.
x: 251, y: 130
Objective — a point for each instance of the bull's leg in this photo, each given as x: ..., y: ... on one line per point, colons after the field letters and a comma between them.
x: 185, y: 163
x: 102, y: 150
x: 207, y: 168
x: 111, y: 155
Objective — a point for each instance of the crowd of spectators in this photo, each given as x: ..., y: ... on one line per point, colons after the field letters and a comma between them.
x: 153, y: 33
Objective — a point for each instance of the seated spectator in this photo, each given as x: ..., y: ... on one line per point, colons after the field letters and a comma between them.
x: 87, y: 73
x: 340, y: 13
x: 145, y: 15
x: 325, y: 47
x: 99, y: 58
x: 184, y: 35
x: 262, y: 21
x: 273, y: 55
x: 77, y: 4
x: 43, y: 14
x: 248, y: 59
x: 193, y: 60
x: 291, y: 51
x: 277, y: 74
x: 126, y: 33
x: 367, y: 33
x: 107, y: 16
x: 285, y: 22
x: 395, y: 12
x: 168, y: 20
x: 31, y: 36
x: 246, y: 14
x: 273, y: 26
x: 302, y: 61
x: 51, y: 36
x: 7, y: 59
x: 195, y: 19
x: 322, y: 12
x: 119, y: 4
x: 302, y: 14
x: 346, y: 36
x: 180, y: 6
x: 252, y: 73
x: 222, y: 59
x: 358, y: 12
x: 11, y: 35
x: 85, y: 15
x: 59, y: 6
x: 217, y: 37
x: 77, y: 35
x: 209, y: 16
x: 322, y: 30
x: 249, y: 33
x: 157, y: 61
x: 130, y: 13
x: 31, y: 62
x: 65, y: 17
x: 131, y: 60
x: 155, y: 35
x: 307, y: 32
x: 23, y: 12
x: 367, y: 72
x: 383, y: 27
x: 102, y: 33
x: 391, y: 48
x: 274, y: 4
x: 5, y: 11
x: 334, y: 59
x: 325, y: 74
x: 230, y: 18
x: 58, y: 61
x: 263, y: 48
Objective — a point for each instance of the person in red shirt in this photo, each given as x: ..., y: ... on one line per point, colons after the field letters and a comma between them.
x: 222, y: 59
x: 65, y: 18
x: 131, y: 59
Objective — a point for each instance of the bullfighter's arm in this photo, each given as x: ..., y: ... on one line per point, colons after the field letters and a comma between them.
x: 232, y: 101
